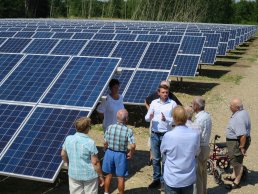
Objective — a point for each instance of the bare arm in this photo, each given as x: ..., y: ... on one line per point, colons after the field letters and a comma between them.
x: 96, y: 164
x: 131, y: 151
x: 64, y: 156
x: 146, y: 105
x: 242, y: 144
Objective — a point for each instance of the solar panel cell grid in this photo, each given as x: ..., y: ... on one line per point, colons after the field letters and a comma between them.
x: 43, y: 34
x: 80, y: 83
x: 208, y: 55
x: 14, y: 45
x: 99, y: 36
x: 36, y: 150
x: 128, y: 37
x: 63, y: 35
x: 41, y: 46
x: 192, y: 45
x: 69, y: 47
x: 148, y: 38
x: 24, y: 34
x: 172, y: 39
x: 31, y: 78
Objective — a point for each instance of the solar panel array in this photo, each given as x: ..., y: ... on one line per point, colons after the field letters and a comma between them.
x: 54, y: 71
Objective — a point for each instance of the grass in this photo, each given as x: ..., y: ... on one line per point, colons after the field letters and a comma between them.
x: 232, y: 78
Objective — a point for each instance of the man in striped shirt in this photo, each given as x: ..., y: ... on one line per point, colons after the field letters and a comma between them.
x: 117, y: 137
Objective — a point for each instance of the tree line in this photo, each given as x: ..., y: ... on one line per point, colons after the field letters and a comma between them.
x: 211, y: 11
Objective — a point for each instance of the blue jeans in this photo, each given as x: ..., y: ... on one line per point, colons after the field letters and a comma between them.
x: 156, y: 156
x: 181, y: 190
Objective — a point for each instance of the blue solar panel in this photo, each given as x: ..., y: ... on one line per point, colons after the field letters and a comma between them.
x: 222, y: 49
x: 2, y: 40
x: 172, y: 39
x: 123, y: 31
x: 24, y: 34
x: 192, y: 45
x: 60, y: 32
x: 185, y: 65
x: 14, y: 45
x: 99, y: 36
x: 31, y: 78
x: 212, y: 39
x: 6, y: 34
x: 143, y: 84
x: 231, y: 44
x: 43, y: 34
x: 107, y: 31
x: 148, y: 38
x: 158, y: 32
x: 175, y: 33
x: 98, y: 48
x: 208, y: 55
x: 63, y: 35
x: 82, y: 81
x: 35, y: 152
x: 41, y: 46
x: 224, y: 36
x: 69, y: 47
x: 74, y: 30
x: 129, y: 37
x: 7, y: 62
x: 130, y: 52
x: 83, y: 35
x: 11, y: 116
x: 159, y: 56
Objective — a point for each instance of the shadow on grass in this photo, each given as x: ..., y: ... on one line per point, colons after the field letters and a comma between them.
x: 224, y: 63
x: 192, y: 88
x: 212, y: 73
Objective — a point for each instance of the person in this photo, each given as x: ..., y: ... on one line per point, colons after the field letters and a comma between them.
x: 204, y: 123
x: 108, y: 108
x: 117, y: 137
x: 238, y: 140
x: 189, y: 114
x: 147, y: 103
x: 80, y: 153
x: 180, y: 147
x: 160, y: 114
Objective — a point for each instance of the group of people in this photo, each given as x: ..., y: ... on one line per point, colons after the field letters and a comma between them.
x: 179, y: 144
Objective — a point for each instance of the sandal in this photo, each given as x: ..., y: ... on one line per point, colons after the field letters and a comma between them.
x: 229, y: 178
x: 232, y: 186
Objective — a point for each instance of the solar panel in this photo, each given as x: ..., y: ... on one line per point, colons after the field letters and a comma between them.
x: 148, y: 38
x: 192, y: 45
x: 185, y: 66
x: 172, y: 39
x: 43, y: 34
x: 83, y: 36
x: 63, y: 35
x: 35, y: 152
x: 98, y: 48
x: 231, y: 44
x: 7, y: 62
x: 143, y: 84
x: 212, y: 40
x: 222, y: 49
x: 208, y: 55
x: 41, y: 46
x: 11, y: 117
x: 128, y: 37
x: 99, y: 36
x: 14, y: 45
x: 24, y: 34
x: 82, y: 81
x: 159, y: 56
x: 31, y: 78
x: 69, y: 47
x: 130, y: 52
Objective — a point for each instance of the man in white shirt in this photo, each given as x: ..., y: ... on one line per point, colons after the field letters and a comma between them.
x: 160, y: 114
x: 203, y: 120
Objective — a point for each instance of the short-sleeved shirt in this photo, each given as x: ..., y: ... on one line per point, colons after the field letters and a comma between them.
x: 109, y: 107
x: 155, y: 96
x: 203, y: 120
x: 118, y: 136
x: 79, y: 148
x: 239, y: 124
x: 180, y: 146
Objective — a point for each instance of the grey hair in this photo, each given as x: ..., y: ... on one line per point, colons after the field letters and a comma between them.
x: 166, y: 83
x: 122, y: 115
x: 200, y: 102
x: 189, y: 112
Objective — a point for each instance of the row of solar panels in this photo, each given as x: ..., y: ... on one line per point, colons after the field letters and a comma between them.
x: 42, y: 94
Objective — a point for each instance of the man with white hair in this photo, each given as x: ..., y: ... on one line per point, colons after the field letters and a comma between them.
x: 203, y: 121
x: 238, y: 140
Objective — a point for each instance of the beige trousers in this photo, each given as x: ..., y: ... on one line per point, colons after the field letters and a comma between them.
x: 201, y: 171
x: 83, y: 187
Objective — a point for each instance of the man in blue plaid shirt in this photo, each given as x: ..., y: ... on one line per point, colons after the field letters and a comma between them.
x: 117, y: 137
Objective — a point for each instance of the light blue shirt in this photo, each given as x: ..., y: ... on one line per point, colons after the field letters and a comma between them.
x: 79, y: 148
x: 203, y: 120
x: 180, y: 146
x: 239, y: 124
x: 157, y: 107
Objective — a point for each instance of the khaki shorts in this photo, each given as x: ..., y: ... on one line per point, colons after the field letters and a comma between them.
x: 235, y: 155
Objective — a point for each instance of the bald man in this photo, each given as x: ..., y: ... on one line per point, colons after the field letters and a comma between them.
x: 238, y: 140
x: 117, y: 137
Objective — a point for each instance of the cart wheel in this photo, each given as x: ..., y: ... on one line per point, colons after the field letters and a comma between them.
x: 223, y: 163
x: 210, y: 167
x: 217, y: 175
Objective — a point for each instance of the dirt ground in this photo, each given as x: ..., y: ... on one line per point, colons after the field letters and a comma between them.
x: 235, y: 75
